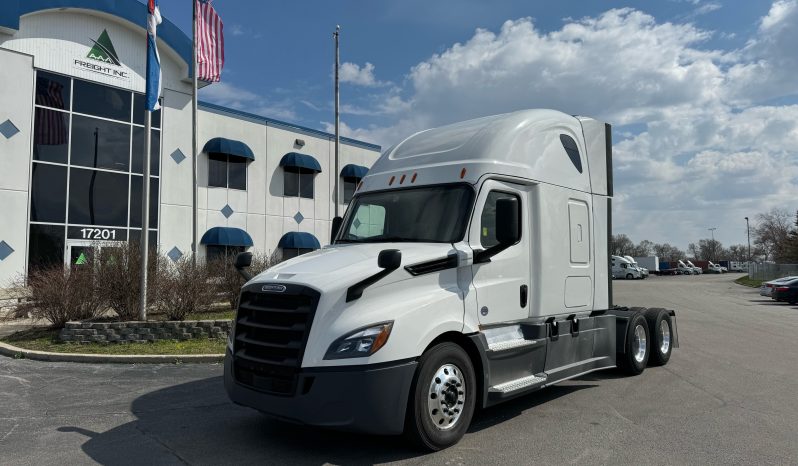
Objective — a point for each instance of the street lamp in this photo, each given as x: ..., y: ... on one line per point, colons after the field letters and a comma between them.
x: 748, y: 230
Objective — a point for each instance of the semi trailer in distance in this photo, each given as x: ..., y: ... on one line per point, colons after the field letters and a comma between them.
x: 650, y: 263
x: 471, y: 267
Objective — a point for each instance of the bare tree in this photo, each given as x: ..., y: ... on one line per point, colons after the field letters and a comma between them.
x: 771, y: 233
x: 669, y: 253
x: 643, y: 248
x: 621, y: 245
x: 709, y: 249
x: 693, y: 250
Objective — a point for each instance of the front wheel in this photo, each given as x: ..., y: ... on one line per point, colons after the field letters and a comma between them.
x: 629, y: 276
x: 442, y: 397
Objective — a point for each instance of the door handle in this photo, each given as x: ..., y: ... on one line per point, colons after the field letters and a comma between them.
x: 524, y: 293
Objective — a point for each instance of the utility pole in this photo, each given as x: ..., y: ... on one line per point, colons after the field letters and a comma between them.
x: 712, y: 251
x: 337, y: 120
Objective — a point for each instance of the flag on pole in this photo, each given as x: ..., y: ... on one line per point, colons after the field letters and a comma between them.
x: 153, y: 88
x: 210, y: 42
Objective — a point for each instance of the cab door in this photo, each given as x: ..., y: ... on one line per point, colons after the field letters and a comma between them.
x: 502, y: 284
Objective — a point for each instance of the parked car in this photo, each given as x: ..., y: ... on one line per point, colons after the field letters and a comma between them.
x: 767, y: 288
x: 786, y: 292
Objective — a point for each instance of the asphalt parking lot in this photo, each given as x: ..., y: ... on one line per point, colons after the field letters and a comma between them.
x: 728, y: 396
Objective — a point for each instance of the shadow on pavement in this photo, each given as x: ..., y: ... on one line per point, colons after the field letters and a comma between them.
x: 195, y: 423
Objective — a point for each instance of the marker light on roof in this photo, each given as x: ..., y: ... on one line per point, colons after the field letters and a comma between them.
x: 413, y: 179
x: 462, y: 173
x: 390, y: 182
x: 402, y: 179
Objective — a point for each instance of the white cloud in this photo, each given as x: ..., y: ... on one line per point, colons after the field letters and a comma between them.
x: 361, y: 76
x: 713, y: 147
x: 237, y: 30
x: 230, y: 95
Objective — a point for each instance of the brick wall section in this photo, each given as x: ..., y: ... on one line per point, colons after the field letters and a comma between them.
x: 140, y: 332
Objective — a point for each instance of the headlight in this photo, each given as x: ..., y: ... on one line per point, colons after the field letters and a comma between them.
x: 360, y: 343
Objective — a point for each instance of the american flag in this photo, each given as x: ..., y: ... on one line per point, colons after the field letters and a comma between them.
x: 50, y: 125
x: 210, y: 42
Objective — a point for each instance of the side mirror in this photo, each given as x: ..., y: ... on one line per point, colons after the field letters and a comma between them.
x: 508, y: 223
x: 336, y: 227
x: 243, y: 260
x: 389, y: 259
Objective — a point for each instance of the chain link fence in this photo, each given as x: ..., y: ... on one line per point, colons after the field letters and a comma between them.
x: 771, y: 271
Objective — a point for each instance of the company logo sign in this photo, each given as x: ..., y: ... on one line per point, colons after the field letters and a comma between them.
x: 103, y: 59
x: 273, y: 288
x: 103, y: 50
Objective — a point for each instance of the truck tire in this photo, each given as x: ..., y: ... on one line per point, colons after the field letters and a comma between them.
x: 637, y: 344
x: 442, y: 397
x: 629, y: 276
x: 660, y: 327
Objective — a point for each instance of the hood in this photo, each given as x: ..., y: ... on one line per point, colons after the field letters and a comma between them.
x: 340, y: 266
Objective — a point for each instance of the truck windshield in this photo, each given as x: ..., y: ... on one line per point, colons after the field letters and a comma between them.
x: 433, y: 214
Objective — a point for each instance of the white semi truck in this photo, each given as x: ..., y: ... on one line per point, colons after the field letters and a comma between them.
x: 471, y: 267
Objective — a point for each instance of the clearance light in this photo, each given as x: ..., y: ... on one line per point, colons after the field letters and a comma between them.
x: 462, y: 173
x: 390, y: 182
x: 402, y: 179
x: 413, y: 179
x: 360, y: 343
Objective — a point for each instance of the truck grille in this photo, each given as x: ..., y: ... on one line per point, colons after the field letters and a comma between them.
x: 271, y: 332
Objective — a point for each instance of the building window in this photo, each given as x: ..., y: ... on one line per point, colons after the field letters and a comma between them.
x: 350, y: 186
x: 290, y: 253
x: 213, y: 252
x: 298, y: 182
x: 225, y: 171
x: 88, y: 144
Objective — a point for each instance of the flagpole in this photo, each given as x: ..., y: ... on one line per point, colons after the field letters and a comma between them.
x: 337, y: 120
x: 145, y: 215
x: 194, y: 140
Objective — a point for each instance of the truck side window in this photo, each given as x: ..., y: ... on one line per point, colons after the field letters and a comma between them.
x: 487, y: 233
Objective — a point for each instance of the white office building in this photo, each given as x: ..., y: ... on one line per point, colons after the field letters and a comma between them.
x: 72, y: 136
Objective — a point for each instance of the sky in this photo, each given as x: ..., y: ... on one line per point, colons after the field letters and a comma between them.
x: 702, y: 94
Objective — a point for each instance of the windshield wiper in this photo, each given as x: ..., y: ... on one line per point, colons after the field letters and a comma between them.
x: 389, y: 239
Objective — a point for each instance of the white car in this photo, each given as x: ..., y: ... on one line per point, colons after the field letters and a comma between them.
x: 767, y: 288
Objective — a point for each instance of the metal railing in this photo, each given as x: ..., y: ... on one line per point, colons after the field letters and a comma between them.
x: 771, y: 271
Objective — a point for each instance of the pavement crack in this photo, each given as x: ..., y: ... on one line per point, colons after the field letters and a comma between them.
x: 11, y: 431
x: 159, y: 442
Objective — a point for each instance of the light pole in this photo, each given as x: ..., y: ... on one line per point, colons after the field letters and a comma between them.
x: 748, y: 230
x: 712, y: 250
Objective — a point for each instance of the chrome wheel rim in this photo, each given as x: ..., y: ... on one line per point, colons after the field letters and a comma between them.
x: 446, y: 396
x: 665, y: 333
x: 639, y: 344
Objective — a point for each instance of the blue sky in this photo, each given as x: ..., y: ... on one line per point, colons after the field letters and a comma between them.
x: 701, y: 93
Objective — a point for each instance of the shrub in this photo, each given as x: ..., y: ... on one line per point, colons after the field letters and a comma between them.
x: 119, y: 269
x: 60, y: 294
x: 227, y: 279
x: 184, y: 288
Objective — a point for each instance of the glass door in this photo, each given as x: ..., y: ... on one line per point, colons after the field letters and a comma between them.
x: 79, y: 253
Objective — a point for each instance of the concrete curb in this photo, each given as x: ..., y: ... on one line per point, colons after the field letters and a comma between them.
x: 22, y: 353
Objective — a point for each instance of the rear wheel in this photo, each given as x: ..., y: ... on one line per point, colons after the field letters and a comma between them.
x: 636, y: 346
x: 660, y: 328
x: 442, y: 397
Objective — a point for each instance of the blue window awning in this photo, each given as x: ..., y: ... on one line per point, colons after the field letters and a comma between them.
x: 226, y: 236
x: 229, y: 147
x: 298, y: 240
x: 354, y: 171
x: 303, y: 161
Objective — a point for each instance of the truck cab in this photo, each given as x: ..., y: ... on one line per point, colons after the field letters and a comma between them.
x: 643, y: 270
x: 697, y: 270
x: 623, y: 268
x: 471, y: 267
x: 686, y: 269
